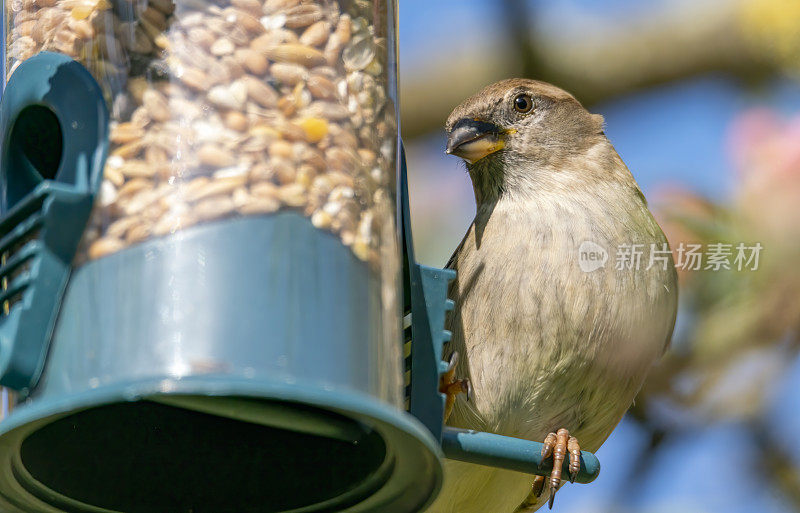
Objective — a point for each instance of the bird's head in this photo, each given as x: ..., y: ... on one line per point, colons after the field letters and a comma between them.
x: 520, y: 124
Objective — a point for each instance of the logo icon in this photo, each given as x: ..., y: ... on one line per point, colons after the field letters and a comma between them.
x: 591, y: 256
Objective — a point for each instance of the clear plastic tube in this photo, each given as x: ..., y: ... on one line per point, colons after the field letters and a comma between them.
x: 230, y: 108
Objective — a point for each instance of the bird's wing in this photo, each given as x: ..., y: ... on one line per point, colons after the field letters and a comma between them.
x: 672, y: 282
x: 674, y: 314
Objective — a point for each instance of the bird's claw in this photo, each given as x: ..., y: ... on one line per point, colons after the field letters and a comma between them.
x: 574, y: 449
x: 556, y: 446
x: 547, y: 448
x: 538, y: 486
x: 451, y: 387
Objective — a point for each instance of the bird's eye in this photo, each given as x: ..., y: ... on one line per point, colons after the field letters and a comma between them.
x: 523, y: 103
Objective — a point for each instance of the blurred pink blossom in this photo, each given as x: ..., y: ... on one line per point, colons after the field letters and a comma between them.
x: 766, y: 152
x: 749, y: 132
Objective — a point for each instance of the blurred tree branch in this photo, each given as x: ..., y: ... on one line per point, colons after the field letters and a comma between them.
x: 517, y: 17
x: 690, y: 40
x: 775, y: 465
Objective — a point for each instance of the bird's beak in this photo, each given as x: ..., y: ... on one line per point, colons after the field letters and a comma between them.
x: 472, y: 139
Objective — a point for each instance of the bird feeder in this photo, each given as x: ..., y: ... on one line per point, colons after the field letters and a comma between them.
x: 204, y: 264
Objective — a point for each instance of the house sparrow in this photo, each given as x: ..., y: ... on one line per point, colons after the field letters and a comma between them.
x: 566, y: 291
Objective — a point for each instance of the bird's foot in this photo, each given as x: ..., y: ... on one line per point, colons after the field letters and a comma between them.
x: 556, y: 445
x: 451, y: 387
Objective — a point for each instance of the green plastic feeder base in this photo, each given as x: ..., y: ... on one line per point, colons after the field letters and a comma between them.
x: 135, y: 448
x: 239, y: 366
x: 247, y: 405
